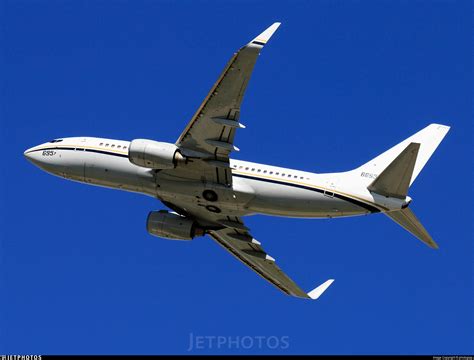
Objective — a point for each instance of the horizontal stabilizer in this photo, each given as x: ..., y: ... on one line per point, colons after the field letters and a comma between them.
x: 395, y: 179
x: 407, y: 219
x: 316, y: 293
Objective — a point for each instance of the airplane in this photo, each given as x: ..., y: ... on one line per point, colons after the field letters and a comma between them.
x: 209, y: 194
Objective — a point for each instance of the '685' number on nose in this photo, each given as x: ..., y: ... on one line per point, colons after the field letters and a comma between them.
x: 49, y: 153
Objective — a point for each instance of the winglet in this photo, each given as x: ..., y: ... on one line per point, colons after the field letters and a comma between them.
x: 316, y: 293
x: 262, y: 39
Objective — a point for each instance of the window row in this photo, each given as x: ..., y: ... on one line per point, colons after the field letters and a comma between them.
x: 113, y: 146
x: 269, y: 172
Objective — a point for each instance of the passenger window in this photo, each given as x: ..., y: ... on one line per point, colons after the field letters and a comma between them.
x: 106, y: 145
x: 253, y: 169
x: 277, y: 173
x: 259, y: 170
x: 271, y: 172
x: 246, y: 168
x: 101, y: 144
x: 113, y: 145
x: 264, y: 171
x: 119, y: 146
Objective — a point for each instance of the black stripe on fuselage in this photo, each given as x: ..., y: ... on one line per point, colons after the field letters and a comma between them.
x: 258, y: 43
x: 368, y: 207
x: 81, y: 149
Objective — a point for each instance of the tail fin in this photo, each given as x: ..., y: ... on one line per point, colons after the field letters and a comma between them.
x: 427, y: 139
x: 407, y: 219
x: 395, y: 170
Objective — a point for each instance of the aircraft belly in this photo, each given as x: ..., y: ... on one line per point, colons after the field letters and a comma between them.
x: 289, y: 201
x: 229, y: 200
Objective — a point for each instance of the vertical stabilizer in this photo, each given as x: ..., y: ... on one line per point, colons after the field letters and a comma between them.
x: 429, y: 138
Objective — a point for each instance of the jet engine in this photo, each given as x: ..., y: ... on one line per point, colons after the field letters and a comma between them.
x: 172, y: 226
x: 153, y: 154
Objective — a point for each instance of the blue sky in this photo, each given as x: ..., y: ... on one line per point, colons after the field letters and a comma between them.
x: 340, y: 82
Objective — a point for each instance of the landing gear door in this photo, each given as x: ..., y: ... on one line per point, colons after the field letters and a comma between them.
x: 235, y: 197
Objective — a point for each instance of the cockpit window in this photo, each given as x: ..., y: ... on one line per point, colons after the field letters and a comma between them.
x: 56, y: 140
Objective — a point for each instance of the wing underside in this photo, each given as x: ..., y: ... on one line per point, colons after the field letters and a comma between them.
x: 231, y: 233
x: 249, y: 251
x: 208, y: 138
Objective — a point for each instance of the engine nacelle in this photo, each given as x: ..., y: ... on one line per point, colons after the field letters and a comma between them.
x: 172, y: 226
x: 153, y: 154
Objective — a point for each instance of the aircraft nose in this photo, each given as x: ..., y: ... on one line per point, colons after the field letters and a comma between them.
x: 33, y: 155
x: 26, y: 154
x: 46, y: 160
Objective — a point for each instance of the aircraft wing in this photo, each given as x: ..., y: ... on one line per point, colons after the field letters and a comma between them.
x: 236, y: 239
x: 209, y: 136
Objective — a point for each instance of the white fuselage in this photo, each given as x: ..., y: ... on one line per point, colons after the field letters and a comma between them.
x: 256, y: 188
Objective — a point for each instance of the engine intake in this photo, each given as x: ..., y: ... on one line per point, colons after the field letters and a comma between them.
x: 172, y: 226
x: 154, y: 154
